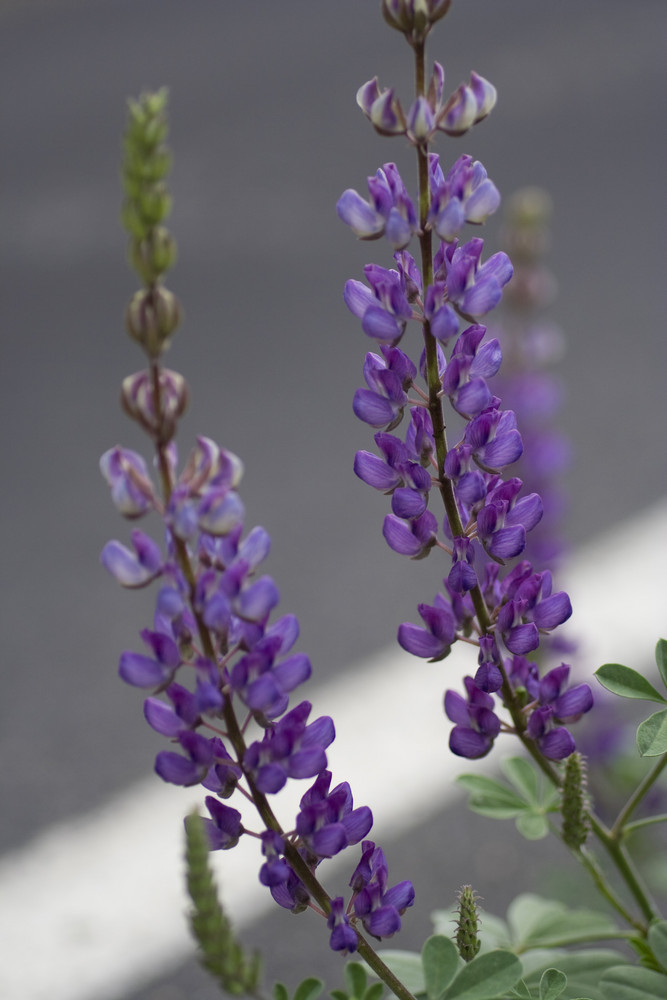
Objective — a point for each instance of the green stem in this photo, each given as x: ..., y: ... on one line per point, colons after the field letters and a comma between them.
x: 639, y: 823
x: 371, y: 957
x: 620, y: 824
x: 445, y: 485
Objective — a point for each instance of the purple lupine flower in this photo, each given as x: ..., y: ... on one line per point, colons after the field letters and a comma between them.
x: 388, y: 379
x: 494, y: 439
x: 462, y: 576
x: 414, y: 538
x: 464, y: 379
x: 263, y: 685
x: 531, y: 606
x: 390, y: 212
x: 190, y: 770
x: 383, y: 308
x: 398, y: 467
x: 378, y: 908
x: 442, y: 318
x: 433, y: 642
x: 187, y: 707
x: 151, y: 672
x: 476, y: 724
x: 488, y: 677
x: 568, y: 705
x: 131, y: 487
x: 470, y: 486
x: 343, y: 937
x: 290, y: 749
x: 275, y: 870
x: 224, y: 828
x: 465, y: 195
x: 292, y: 893
x: 133, y: 569
x: 473, y: 287
x: 326, y: 822
x: 556, y: 743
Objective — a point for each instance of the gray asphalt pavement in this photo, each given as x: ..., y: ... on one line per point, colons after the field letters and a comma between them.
x: 266, y: 136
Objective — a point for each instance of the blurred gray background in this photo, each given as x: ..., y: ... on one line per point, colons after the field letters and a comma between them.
x: 266, y: 136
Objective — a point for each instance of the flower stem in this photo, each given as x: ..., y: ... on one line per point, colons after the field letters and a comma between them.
x: 620, y: 824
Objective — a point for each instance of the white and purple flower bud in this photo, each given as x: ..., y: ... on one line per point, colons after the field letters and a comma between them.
x: 151, y: 318
x: 138, y: 401
x: 385, y: 112
x: 485, y: 95
x: 459, y: 113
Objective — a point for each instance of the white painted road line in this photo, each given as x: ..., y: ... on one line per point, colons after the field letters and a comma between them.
x: 95, y: 906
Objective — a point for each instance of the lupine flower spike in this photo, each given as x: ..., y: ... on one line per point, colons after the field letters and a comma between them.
x: 492, y: 594
x: 219, y: 670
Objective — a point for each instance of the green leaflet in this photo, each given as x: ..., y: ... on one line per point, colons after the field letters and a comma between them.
x: 525, y: 797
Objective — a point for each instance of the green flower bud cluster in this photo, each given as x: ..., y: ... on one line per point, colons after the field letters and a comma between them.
x: 154, y: 312
x: 574, y: 802
x: 221, y: 954
x: 467, y: 941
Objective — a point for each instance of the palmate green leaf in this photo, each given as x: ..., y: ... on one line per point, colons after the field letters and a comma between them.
x: 657, y: 939
x: 440, y: 960
x: 489, y: 797
x: 527, y: 802
x: 280, y: 991
x: 633, y: 983
x: 627, y: 683
x: 523, y: 775
x: 652, y: 735
x: 545, y: 923
x: 661, y: 659
x: 487, y: 976
x: 406, y: 966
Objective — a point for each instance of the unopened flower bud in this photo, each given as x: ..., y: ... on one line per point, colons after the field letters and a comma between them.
x: 160, y: 419
x: 467, y: 941
x: 469, y: 104
x: 414, y: 17
x: 459, y: 113
x: 151, y: 317
x: 383, y: 109
x: 153, y: 255
x: 485, y: 95
x: 574, y: 802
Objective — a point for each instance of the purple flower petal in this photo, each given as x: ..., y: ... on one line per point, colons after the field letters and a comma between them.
x: 359, y: 215
x: 552, y: 611
x: 557, y: 744
x: 466, y: 742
